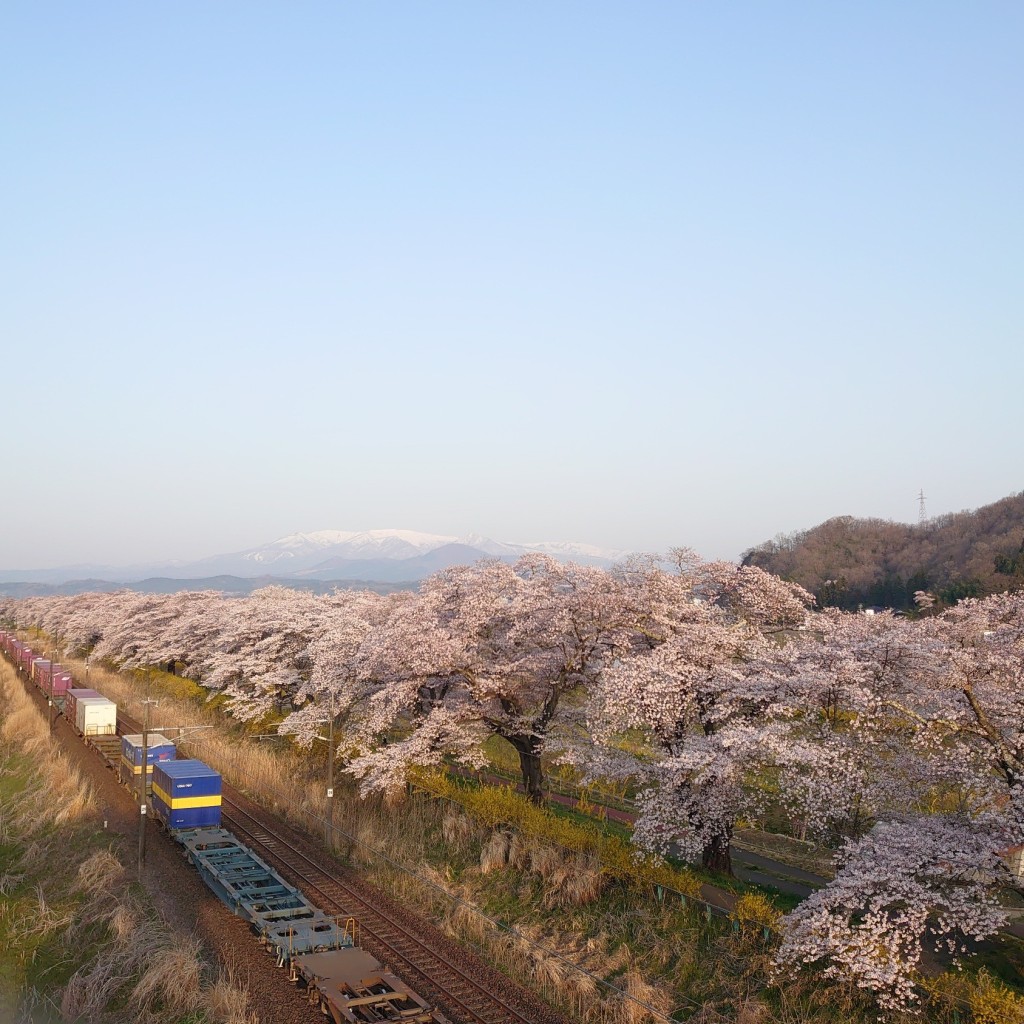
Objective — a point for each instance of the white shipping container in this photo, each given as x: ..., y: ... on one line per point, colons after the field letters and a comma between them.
x: 96, y: 716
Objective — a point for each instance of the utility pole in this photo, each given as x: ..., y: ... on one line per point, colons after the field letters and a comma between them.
x: 329, y: 829
x: 143, y: 779
x: 58, y: 648
x: 49, y: 699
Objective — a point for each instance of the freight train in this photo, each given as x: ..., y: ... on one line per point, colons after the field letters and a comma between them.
x: 319, y: 952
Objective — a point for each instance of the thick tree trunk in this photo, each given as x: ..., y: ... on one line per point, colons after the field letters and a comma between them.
x: 718, y: 853
x: 529, y: 750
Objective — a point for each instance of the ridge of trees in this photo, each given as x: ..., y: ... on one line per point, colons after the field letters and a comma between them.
x: 714, y: 690
x: 852, y: 563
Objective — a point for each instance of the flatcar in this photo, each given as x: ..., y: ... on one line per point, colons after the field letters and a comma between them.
x: 285, y: 921
x: 352, y: 987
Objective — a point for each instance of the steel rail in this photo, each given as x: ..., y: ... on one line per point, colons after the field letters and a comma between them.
x: 456, y: 988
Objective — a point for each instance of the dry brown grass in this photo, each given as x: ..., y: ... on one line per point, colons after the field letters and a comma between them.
x: 494, y: 855
x: 89, y: 991
x: 459, y: 830
x: 104, y: 899
x: 465, y: 922
x: 752, y: 1011
x: 584, y: 883
x: 549, y: 971
x: 368, y: 840
x: 227, y: 1001
x: 566, y: 973
x: 159, y: 973
x: 124, y: 922
x: 640, y: 995
x: 58, y: 795
x: 570, y: 880
x: 100, y: 874
x: 172, y: 979
x: 22, y: 722
x: 519, y: 850
x: 35, y: 917
x: 140, y: 962
x: 546, y: 861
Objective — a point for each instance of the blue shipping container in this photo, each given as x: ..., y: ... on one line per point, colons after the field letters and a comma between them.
x: 159, y: 748
x: 186, y: 794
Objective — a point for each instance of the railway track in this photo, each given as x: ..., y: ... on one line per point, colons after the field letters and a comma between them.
x: 430, y: 970
x: 412, y: 957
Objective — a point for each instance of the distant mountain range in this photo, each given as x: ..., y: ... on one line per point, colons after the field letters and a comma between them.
x: 376, y: 559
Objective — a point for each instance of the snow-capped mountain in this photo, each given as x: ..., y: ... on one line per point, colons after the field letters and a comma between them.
x: 356, y: 555
x: 396, y: 557
x: 298, y: 548
x: 580, y: 553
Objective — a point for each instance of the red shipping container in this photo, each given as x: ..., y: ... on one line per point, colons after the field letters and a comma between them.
x: 44, y: 672
x: 62, y: 682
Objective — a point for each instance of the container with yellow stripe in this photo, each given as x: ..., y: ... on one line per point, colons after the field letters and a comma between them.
x: 158, y: 748
x: 186, y: 794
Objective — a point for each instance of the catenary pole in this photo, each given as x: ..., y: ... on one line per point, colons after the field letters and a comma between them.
x: 329, y: 829
x: 143, y: 779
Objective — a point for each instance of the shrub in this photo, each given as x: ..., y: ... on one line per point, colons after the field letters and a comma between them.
x: 612, y: 855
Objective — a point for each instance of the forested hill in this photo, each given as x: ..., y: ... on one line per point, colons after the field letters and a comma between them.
x: 849, y: 563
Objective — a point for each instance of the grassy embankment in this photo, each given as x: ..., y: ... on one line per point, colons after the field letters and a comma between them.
x: 79, y: 940
x: 540, y: 902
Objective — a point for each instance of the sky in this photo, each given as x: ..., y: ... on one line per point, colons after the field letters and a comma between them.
x: 631, y: 274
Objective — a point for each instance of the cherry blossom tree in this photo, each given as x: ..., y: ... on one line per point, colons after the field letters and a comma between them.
x: 899, y: 740
x: 261, y: 656
x: 705, y: 683
x: 491, y: 649
x: 142, y: 630
x: 335, y: 686
x: 835, y: 770
x: 943, y: 699
x: 975, y: 696
x: 904, y: 887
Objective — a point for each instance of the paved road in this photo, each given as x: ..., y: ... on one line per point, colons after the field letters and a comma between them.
x: 760, y: 870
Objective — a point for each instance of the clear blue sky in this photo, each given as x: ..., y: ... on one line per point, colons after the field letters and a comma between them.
x: 635, y: 274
